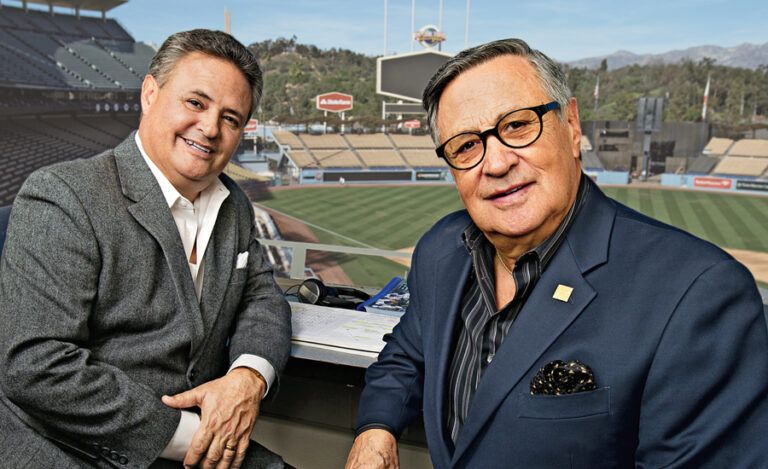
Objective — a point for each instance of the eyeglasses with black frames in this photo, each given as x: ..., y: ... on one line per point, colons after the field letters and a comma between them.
x: 515, y: 129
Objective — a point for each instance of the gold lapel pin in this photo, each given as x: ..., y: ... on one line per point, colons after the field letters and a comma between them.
x: 563, y: 293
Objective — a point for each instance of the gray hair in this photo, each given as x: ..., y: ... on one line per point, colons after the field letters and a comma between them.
x: 217, y: 44
x: 551, y: 76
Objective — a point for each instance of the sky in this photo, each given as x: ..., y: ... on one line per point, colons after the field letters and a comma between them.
x: 565, y: 30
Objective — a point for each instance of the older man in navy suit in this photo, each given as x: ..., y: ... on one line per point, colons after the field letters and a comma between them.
x: 550, y: 326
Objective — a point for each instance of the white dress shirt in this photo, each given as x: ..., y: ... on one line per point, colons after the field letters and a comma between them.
x: 195, y: 222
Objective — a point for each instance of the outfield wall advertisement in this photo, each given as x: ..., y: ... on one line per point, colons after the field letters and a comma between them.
x: 743, y: 185
x: 713, y: 183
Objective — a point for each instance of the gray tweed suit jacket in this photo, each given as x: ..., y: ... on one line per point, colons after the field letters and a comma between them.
x: 99, y: 317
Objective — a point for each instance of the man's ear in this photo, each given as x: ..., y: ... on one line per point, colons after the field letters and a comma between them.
x: 575, y: 127
x: 149, y: 88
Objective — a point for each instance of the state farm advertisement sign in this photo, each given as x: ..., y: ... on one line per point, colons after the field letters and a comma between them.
x: 334, y: 102
x: 713, y: 183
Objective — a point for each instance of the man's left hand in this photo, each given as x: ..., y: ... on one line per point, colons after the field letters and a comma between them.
x: 228, y: 410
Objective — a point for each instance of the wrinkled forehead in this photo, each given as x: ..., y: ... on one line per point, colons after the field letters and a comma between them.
x: 479, y: 96
x: 215, y: 77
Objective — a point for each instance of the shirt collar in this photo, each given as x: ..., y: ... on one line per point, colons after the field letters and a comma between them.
x: 170, y: 193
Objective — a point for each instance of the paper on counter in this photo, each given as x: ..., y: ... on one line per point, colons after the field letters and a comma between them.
x: 341, y: 328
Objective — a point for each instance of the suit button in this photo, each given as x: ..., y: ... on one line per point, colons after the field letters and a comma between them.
x: 114, y: 456
x: 123, y: 460
x: 105, y: 451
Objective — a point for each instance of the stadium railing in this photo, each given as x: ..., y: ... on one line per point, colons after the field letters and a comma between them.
x: 299, y: 257
x: 299, y: 252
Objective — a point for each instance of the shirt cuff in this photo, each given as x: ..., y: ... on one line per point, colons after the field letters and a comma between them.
x: 258, y: 364
x: 376, y: 426
x: 179, y: 444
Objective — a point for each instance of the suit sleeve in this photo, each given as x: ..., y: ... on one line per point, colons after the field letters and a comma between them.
x: 394, y: 385
x: 704, y: 404
x: 263, y: 324
x: 49, y: 282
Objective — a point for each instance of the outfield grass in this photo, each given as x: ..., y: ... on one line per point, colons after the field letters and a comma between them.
x: 390, y: 217
x: 728, y: 220
x: 394, y: 217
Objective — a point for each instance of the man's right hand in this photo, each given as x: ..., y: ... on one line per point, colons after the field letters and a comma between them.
x: 374, y: 449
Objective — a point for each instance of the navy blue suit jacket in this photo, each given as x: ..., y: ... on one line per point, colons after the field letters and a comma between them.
x: 671, y: 326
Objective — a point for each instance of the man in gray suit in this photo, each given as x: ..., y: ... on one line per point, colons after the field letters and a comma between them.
x: 140, y: 322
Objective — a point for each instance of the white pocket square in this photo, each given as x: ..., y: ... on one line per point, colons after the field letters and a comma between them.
x: 242, y: 260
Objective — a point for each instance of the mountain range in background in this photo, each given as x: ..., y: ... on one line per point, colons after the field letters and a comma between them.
x: 745, y: 55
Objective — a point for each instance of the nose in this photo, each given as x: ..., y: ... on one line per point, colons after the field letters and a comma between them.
x: 499, y: 158
x: 208, y: 124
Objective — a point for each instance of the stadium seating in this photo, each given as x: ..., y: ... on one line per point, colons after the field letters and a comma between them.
x: 369, y: 141
x: 750, y: 147
x: 33, y: 142
x: 288, y: 139
x: 741, y: 166
x: 726, y: 157
x: 702, y: 164
x: 423, y: 159
x: 238, y: 173
x: 60, y: 50
x: 135, y: 56
x: 304, y: 159
x: 381, y: 159
x: 412, y: 141
x: 337, y: 159
x: 717, y: 146
x: 361, y: 151
x: 589, y: 159
x: 323, y: 141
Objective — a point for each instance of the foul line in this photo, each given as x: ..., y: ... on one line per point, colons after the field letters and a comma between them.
x: 318, y: 227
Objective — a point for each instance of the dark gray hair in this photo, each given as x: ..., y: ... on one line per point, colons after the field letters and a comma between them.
x: 551, y: 76
x: 217, y: 44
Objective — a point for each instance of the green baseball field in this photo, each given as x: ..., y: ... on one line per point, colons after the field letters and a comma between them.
x: 394, y: 217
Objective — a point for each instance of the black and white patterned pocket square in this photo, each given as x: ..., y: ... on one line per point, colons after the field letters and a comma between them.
x: 558, y: 377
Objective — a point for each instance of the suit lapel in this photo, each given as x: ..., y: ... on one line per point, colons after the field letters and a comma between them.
x: 539, y: 323
x: 543, y: 318
x: 453, y: 268
x: 151, y: 211
x: 219, y: 260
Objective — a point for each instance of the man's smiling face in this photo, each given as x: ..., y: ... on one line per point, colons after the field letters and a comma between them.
x: 192, y: 123
x: 519, y: 193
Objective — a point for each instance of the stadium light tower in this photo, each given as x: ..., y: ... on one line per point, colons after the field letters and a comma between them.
x: 440, y: 16
x: 386, y: 13
x: 466, y: 27
x: 413, y: 23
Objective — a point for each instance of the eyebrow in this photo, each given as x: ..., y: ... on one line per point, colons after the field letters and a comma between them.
x: 204, y: 95
x: 495, y: 119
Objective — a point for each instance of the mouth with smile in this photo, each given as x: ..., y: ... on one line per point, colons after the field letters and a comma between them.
x: 510, y: 193
x: 199, y: 148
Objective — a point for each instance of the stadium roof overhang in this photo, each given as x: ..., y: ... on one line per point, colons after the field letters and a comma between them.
x: 90, y: 5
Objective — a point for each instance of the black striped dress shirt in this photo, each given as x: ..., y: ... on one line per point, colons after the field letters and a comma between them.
x: 482, y: 327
